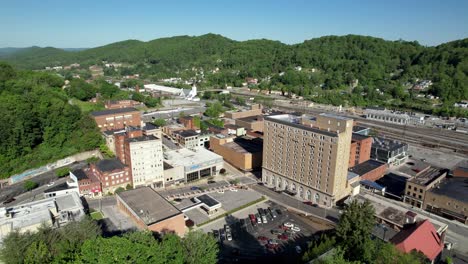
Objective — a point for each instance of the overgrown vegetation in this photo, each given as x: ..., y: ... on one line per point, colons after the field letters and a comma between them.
x: 81, y: 242
x: 62, y: 172
x: 37, y: 124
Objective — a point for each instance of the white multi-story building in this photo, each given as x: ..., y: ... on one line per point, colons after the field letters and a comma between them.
x: 146, y: 160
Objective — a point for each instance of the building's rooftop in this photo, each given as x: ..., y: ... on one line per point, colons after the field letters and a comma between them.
x: 59, y: 187
x: 167, y: 166
x: 412, y: 167
x: 295, y: 121
x: 427, y: 176
x: 191, y: 158
x: 114, y: 111
x: 150, y: 126
x: 186, y: 133
x: 113, y: 131
x: 80, y: 174
x: 110, y: 165
x: 141, y: 139
x: 37, y: 212
x: 351, y: 175
x: 251, y: 119
x: 410, y: 239
x: 387, y: 144
x: 148, y: 205
x: 330, y: 115
x: 245, y: 145
x: 359, y: 137
x: 359, y: 128
x: 209, y: 201
x: 456, y: 188
x: 367, y: 166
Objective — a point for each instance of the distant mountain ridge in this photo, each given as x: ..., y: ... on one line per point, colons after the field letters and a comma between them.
x: 340, y: 59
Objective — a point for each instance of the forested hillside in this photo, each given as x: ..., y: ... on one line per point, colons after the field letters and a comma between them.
x: 330, y: 63
x: 37, y: 123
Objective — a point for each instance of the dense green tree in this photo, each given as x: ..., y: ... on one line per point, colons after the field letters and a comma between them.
x: 354, y: 229
x: 159, y: 122
x: 200, y: 248
x: 62, y: 172
x: 30, y: 185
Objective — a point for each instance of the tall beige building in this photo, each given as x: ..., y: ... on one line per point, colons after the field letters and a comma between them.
x: 308, y: 155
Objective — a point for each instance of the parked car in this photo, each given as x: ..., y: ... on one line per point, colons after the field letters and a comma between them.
x: 295, y: 229
x: 227, y: 228
x: 264, y: 219
x: 308, y: 203
x: 210, y: 182
x: 262, y: 238
x: 216, y: 234
x: 50, y: 184
x: 276, y: 232
x: 178, y: 200
x: 283, y: 237
x: 272, y: 242
x: 233, y: 190
x: 229, y: 236
x: 288, y: 224
x: 298, y: 249
x: 259, y: 219
x: 194, y: 188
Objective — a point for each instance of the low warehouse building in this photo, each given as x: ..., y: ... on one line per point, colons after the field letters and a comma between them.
x: 149, y: 210
x: 371, y: 170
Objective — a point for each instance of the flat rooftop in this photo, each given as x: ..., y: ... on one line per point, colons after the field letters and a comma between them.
x: 148, y: 205
x: 359, y: 137
x: 141, y: 139
x: 59, y: 187
x: 359, y: 128
x: 413, y: 167
x: 114, y: 111
x: 186, y: 133
x: 427, y: 176
x: 245, y: 145
x: 456, y: 188
x: 185, y: 157
x: 208, y: 200
x: 330, y: 115
x: 251, y: 119
x: 367, y: 166
x: 110, y: 165
x: 295, y: 121
x: 387, y: 144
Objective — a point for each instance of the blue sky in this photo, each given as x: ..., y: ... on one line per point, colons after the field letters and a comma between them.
x: 91, y: 23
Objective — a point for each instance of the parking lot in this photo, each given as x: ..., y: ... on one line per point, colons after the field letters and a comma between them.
x: 270, y: 241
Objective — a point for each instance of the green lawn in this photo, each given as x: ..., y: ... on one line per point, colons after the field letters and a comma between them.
x: 85, y: 106
x: 97, y: 215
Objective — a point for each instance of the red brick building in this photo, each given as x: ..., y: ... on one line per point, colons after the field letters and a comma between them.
x: 117, y: 118
x: 112, y: 174
x: 371, y: 170
x: 187, y: 121
x: 149, y: 210
x: 360, y: 149
x: 88, y: 184
x: 122, y: 104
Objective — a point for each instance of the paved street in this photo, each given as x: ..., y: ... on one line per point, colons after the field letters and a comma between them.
x: 43, y: 179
